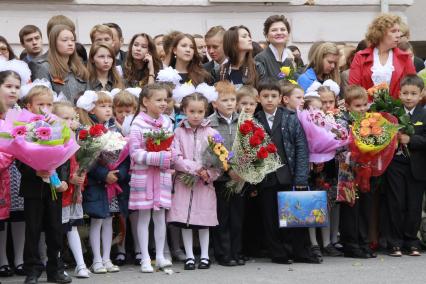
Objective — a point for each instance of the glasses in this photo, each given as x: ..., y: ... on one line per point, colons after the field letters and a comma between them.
x: 3, y: 49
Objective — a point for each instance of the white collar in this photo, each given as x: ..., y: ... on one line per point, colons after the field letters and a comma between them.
x: 268, y: 115
x: 276, y: 55
x: 409, y: 111
x: 228, y: 119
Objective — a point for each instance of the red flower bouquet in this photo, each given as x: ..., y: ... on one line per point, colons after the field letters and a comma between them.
x: 157, y: 141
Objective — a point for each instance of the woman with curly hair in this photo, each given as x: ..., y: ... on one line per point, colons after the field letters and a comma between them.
x: 382, y: 61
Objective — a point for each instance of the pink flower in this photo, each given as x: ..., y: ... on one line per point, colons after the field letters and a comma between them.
x: 37, y: 118
x: 19, y: 131
x: 43, y: 133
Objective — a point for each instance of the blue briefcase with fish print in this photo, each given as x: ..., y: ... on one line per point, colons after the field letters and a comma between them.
x: 302, y: 209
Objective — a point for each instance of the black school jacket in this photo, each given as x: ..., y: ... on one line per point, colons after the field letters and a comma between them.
x: 417, y: 144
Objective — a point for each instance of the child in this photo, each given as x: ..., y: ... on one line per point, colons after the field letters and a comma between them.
x: 354, y: 220
x: 246, y: 99
x: 227, y: 235
x: 195, y: 207
x: 405, y: 178
x: 292, y: 96
x: 125, y: 104
x: 151, y: 180
x: 72, y: 209
x: 10, y: 84
x: 96, y: 108
x: 41, y: 212
x: 287, y: 134
x: 312, y: 102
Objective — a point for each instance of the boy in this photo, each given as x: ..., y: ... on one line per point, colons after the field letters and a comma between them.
x: 247, y: 99
x: 41, y: 212
x: 283, y: 126
x: 292, y: 95
x: 354, y: 220
x: 102, y: 34
x: 404, y: 178
x: 117, y: 42
x: 230, y: 209
x: 214, y: 46
x: 31, y: 41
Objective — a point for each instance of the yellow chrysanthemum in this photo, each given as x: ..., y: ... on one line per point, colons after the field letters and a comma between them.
x: 217, y: 148
x: 293, y: 82
x: 225, y: 166
x: 286, y: 70
x: 222, y: 158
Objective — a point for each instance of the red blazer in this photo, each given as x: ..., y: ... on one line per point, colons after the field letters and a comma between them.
x: 360, y: 73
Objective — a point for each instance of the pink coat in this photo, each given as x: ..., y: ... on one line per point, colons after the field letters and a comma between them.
x: 151, y: 180
x: 5, y: 161
x: 197, y: 205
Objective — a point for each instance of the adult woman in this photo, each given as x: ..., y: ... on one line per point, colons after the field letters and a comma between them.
x: 323, y: 66
x: 268, y: 63
x: 186, y: 62
x: 6, y: 50
x: 63, y: 67
x: 382, y: 61
x: 142, y: 62
x: 103, y: 76
x: 240, y: 68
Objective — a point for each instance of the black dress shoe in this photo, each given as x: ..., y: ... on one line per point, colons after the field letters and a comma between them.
x: 119, y: 261
x: 241, y: 261
x: 314, y: 259
x: 59, y: 278
x: 204, y: 263
x: 355, y: 253
x: 31, y: 279
x: 19, y: 270
x: 6, y: 271
x: 189, y: 264
x: 369, y: 252
x: 228, y: 262
x: 281, y: 260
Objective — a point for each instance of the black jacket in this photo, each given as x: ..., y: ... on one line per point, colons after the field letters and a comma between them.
x: 417, y: 144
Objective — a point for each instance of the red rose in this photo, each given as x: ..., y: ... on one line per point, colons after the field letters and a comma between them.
x: 97, y: 130
x: 82, y: 135
x: 262, y: 153
x: 271, y: 148
x: 259, y: 133
x: 246, y: 127
x: 255, y: 141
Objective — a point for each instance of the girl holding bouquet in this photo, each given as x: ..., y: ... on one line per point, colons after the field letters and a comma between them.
x: 96, y: 108
x: 13, y: 74
x: 194, y: 207
x: 151, y: 179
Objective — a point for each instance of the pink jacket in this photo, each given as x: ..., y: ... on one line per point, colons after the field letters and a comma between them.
x: 5, y: 161
x: 197, y: 205
x: 151, y: 180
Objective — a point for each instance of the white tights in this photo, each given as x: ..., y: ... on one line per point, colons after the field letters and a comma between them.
x: 159, y: 232
x: 18, y: 238
x: 95, y: 238
x: 204, y: 242
x: 327, y: 232
x: 75, y: 246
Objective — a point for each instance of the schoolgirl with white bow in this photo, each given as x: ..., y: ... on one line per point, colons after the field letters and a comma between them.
x: 96, y: 108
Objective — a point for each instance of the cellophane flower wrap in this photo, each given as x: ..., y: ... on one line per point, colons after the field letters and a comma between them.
x: 323, y: 133
x: 255, y: 155
x: 42, y: 142
x: 215, y: 156
x: 159, y: 140
x: 372, y: 145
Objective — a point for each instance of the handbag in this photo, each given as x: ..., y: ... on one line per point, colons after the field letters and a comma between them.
x: 302, y: 209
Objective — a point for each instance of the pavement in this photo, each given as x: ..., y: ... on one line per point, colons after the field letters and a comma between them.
x: 384, y: 269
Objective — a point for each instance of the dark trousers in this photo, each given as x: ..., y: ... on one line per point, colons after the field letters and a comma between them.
x: 227, y: 236
x: 45, y: 215
x: 403, y: 196
x: 355, y: 221
x: 282, y: 243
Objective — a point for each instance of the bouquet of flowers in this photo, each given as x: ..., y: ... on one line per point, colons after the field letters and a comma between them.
x: 255, y: 155
x: 372, y: 145
x: 215, y: 156
x: 157, y: 141
x: 287, y: 73
x: 40, y: 141
x: 324, y: 134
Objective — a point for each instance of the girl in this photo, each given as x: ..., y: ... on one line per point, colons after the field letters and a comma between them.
x: 142, y: 61
x: 10, y: 84
x: 151, y: 181
x: 240, y: 68
x: 72, y: 209
x: 103, y: 76
x: 185, y: 61
x: 277, y: 31
x: 195, y: 207
x: 6, y: 50
x: 62, y: 68
x: 96, y: 108
x: 323, y: 66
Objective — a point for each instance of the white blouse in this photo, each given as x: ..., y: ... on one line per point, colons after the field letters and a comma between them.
x: 382, y: 73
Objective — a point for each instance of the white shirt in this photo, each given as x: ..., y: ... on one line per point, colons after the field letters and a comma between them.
x: 409, y: 112
x: 382, y: 73
x: 276, y: 55
x: 228, y: 119
x: 269, y: 118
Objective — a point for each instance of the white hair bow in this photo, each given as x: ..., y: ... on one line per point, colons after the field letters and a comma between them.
x: 88, y: 100
x: 25, y: 89
x: 182, y: 91
x: 134, y: 91
x: 333, y: 86
x: 17, y: 66
x: 169, y: 74
x: 208, y: 91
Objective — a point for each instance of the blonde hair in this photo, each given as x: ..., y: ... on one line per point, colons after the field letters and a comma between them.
x: 225, y: 87
x: 58, y: 67
x: 286, y: 88
x: 102, y: 29
x: 378, y: 28
x: 318, y: 56
x: 124, y: 99
x: 57, y: 106
x: 355, y: 92
x: 246, y: 91
x: 117, y: 82
x: 35, y: 92
x: 84, y: 115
